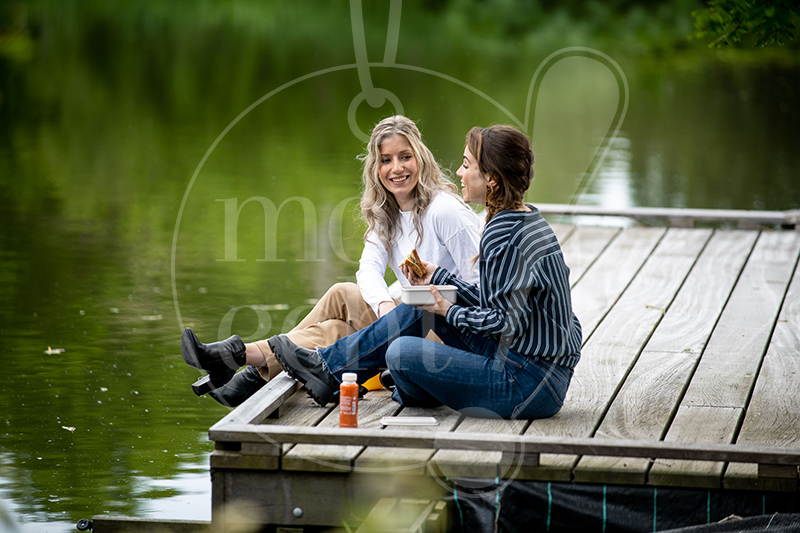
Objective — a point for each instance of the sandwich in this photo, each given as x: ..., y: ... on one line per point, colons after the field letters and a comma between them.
x: 413, y: 262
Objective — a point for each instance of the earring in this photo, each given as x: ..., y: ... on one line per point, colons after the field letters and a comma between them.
x: 488, y: 192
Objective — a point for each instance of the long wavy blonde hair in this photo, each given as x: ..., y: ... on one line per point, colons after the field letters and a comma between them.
x: 378, y: 206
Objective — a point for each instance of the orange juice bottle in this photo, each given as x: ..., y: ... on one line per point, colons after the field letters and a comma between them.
x: 348, y: 401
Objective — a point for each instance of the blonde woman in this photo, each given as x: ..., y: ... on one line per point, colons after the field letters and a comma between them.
x: 408, y: 203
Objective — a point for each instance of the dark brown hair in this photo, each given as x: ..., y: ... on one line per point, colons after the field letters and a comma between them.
x: 503, y: 153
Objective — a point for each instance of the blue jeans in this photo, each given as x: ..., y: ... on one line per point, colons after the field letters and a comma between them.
x: 467, y: 373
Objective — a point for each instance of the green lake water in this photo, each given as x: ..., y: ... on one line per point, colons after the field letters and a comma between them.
x: 113, y: 203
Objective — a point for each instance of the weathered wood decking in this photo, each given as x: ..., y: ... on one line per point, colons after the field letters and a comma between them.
x: 689, y: 377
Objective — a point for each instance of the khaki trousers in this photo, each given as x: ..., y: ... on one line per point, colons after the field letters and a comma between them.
x: 340, y: 312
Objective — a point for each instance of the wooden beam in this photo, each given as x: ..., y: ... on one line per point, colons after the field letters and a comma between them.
x: 755, y: 218
x: 294, y: 499
x: 508, y: 443
x: 460, y: 463
x: 127, y: 524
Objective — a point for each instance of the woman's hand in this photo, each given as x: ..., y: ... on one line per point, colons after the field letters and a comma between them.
x: 430, y: 268
x: 440, y: 307
x: 385, y: 307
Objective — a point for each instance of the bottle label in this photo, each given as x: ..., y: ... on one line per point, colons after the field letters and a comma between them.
x: 348, y: 407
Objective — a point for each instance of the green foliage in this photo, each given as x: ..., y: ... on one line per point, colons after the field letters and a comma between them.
x: 16, y: 43
x: 763, y: 22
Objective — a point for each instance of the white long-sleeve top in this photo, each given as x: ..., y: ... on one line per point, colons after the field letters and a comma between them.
x: 450, y: 239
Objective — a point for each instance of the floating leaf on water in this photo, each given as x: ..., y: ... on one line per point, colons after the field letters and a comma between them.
x: 68, y: 428
x: 151, y: 318
x: 52, y: 351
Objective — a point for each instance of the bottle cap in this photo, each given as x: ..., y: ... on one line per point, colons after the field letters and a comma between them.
x: 350, y: 377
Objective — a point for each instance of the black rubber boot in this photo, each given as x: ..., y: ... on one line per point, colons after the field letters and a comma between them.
x: 220, y: 359
x: 307, y: 367
x: 239, y: 388
x: 387, y: 380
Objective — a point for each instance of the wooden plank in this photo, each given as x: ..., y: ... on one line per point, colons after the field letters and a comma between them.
x: 378, y: 517
x: 408, y: 461
x: 447, y: 440
x: 460, y: 463
x: 338, y: 458
x: 295, y: 499
x: 299, y: 499
x: 688, y: 324
x: 729, y: 364
x: 264, y: 402
x: 221, y: 459
x: 745, y: 476
x: 750, y: 217
x: 562, y: 231
x: 128, y: 524
x: 394, y: 515
x: 773, y: 414
x: 777, y: 471
x: 584, y: 247
x: 609, y: 353
x: 607, y: 356
x: 695, y: 424
x: 298, y: 410
x: 601, y: 286
x: 648, y: 399
x: 570, y: 422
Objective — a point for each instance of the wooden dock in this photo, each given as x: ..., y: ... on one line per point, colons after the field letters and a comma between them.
x: 689, y: 377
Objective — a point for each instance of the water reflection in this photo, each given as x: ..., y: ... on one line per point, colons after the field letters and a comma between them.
x: 613, y: 187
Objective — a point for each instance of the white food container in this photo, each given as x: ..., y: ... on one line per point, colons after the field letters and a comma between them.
x: 422, y: 295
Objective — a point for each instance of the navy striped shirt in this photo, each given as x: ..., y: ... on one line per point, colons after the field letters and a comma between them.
x: 524, y: 300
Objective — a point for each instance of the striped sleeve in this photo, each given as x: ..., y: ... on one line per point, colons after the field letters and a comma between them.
x: 468, y: 294
x: 506, y: 289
